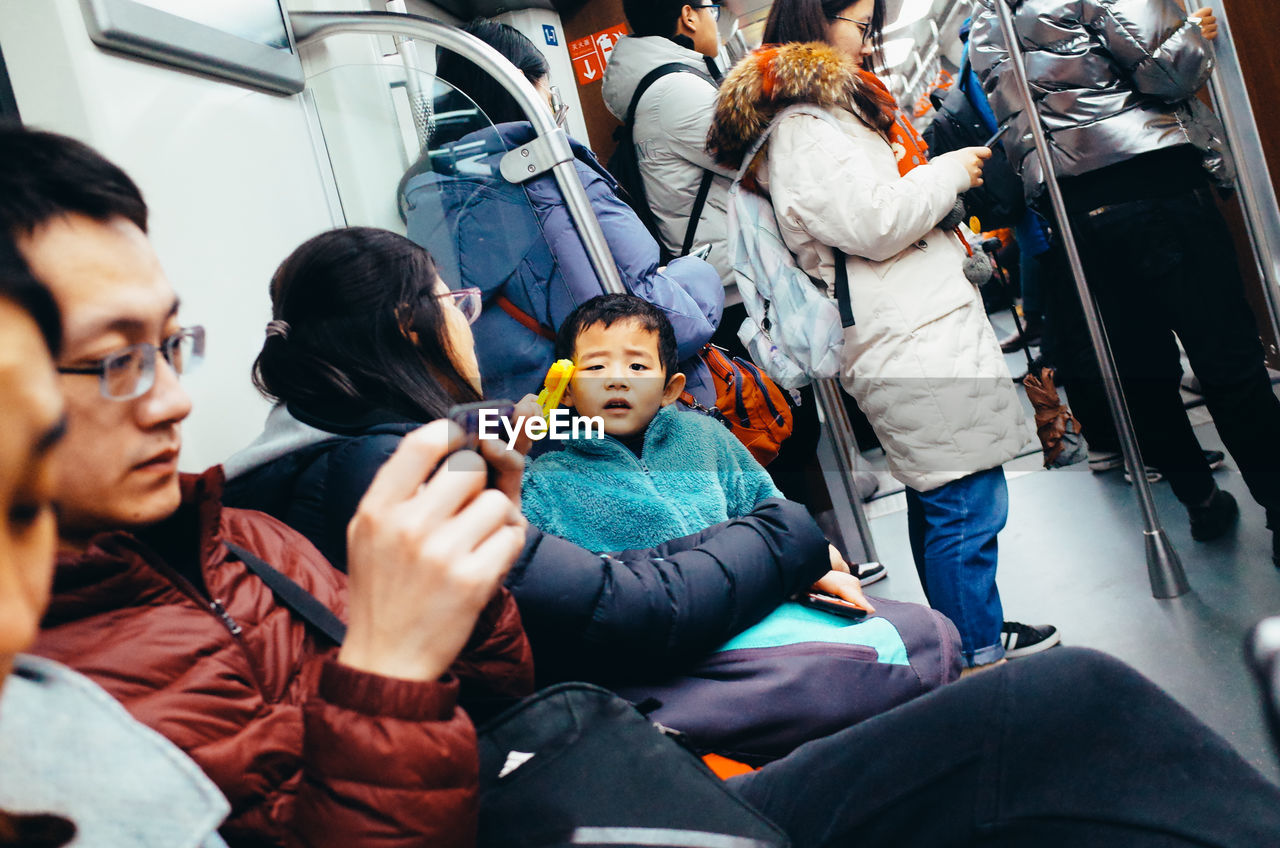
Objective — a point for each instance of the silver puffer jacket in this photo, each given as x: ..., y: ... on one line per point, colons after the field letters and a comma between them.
x: 1112, y: 78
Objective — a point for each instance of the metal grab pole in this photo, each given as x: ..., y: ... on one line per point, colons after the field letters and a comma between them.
x: 1163, y: 566
x: 311, y: 27
x: 419, y: 102
x: 836, y: 420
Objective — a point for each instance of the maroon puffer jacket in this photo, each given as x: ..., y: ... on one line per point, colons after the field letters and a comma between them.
x: 308, y: 752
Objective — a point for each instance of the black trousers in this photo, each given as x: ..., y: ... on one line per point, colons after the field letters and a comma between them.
x: 1068, y: 748
x: 1158, y: 268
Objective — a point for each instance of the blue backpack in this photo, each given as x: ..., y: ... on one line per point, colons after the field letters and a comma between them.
x: 795, y: 326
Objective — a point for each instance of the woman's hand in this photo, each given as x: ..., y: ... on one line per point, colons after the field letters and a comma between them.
x: 971, y: 159
x: 425, y: 557
x: 837, y: 559
x: 844, y: 585
x: 1208, y: 23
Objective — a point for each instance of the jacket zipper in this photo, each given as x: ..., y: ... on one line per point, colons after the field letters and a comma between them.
x: 214, y: 607
x: 229, y: 622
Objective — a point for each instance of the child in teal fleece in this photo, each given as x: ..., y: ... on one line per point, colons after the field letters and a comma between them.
x: 660, y: 472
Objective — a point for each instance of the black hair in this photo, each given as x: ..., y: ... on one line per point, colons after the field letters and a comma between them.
x: 44, y: 175
x: 350, y: 298
x: 482, y: 89
x: 19, y: 286
x: 808, y: 20
x: 609, y: 309
x: 654, y: 17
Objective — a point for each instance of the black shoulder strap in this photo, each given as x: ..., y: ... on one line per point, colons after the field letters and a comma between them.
x: 695, y: 216
x: 293, y: 596
x: 842, y: 290
x: 630, y: 124
x: 652, y: 77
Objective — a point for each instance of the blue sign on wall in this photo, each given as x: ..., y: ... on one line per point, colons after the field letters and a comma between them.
x: 549, y: 33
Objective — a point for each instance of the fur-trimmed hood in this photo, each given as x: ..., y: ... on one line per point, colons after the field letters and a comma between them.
x: 770, y: 79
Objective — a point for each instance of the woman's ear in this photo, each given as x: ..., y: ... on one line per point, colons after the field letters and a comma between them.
x: 404, y: 320
x: 675, y: 387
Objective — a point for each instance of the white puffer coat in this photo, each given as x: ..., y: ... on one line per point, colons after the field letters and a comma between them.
x: 922, y: 359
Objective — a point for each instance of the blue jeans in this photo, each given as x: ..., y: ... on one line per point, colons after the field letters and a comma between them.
x: 953, y: 539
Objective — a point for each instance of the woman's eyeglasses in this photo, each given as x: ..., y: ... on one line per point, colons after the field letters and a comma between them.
x: 861, y: 25
x: 467, y: 301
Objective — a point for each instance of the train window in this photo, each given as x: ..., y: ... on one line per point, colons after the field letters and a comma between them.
x: 248, y: 41
x: 413, y: 154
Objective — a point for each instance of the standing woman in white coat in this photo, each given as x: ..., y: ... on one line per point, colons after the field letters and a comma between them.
x: 921, y: 359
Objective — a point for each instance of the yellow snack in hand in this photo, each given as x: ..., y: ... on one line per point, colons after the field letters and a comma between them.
x: 554, y: 385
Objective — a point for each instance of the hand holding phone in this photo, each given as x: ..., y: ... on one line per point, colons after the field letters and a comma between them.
x: 832, y: 604
x: 427, y: 548
x: 490, y: 418
x: 999, y: 132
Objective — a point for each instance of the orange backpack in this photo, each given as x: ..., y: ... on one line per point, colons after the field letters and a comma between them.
x: 748, y: 402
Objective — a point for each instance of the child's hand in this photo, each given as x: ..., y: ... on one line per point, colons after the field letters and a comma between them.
x: 527, y: 408
x: 844, y: 585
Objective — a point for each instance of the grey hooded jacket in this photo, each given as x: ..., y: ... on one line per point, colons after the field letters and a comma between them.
x: 1113, y: 79
x: 70, y: 749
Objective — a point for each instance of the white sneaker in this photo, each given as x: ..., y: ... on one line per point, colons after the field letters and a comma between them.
x: 1102, y: 461
x: 870, y: 572
x: 1021, y: 640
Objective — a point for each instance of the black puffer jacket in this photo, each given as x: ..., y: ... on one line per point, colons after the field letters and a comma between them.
x: 627, y: 617
x: 311, y: 472
x: 638, y: 616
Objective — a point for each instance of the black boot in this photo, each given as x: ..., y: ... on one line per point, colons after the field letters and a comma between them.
x: 1214, y: 517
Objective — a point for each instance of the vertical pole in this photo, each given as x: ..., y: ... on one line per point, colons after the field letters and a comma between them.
x: 419, y: 101
x: 1163, y: 566
x: 836, y: 421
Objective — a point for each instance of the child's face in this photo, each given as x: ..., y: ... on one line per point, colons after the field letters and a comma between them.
x: 619, y: 377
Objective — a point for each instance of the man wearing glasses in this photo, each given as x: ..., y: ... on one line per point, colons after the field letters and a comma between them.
x: 156, y: 596
x: 672, y: 117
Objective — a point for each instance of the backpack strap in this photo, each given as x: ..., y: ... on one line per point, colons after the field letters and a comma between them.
x: 793, y: 109
x: 652, y: 77
x: 842, y: 289
x: 293, y: 596
x: 630, y: 125
x: 841, y: 269
x: 695, y: 216
x: 524, y: 318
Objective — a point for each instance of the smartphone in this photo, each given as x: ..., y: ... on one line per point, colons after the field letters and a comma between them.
x: 997, y: 135
x: 702, y: 251
x: 830, y: 603
x: 468, y: 417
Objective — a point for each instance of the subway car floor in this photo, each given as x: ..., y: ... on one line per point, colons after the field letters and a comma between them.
x: 1073, y: 555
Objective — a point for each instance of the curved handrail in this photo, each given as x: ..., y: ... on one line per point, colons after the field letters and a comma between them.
x: 312, y: 27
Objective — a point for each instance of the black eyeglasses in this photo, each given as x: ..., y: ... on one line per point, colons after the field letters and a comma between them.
x: 862, y: 25
x: 715, y: 10
x: 131, y: 371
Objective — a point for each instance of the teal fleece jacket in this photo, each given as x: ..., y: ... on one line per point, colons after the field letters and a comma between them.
x: 691, y: 473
